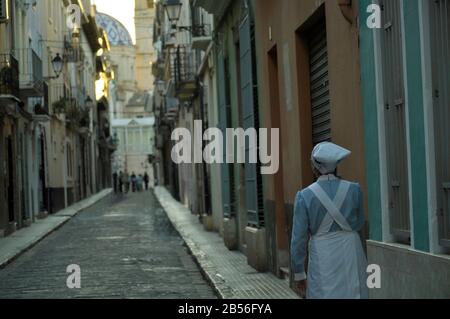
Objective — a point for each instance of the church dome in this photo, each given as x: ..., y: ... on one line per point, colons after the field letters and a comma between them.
x: 117, y: 33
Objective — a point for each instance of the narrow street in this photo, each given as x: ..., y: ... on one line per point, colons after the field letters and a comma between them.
x: 125, y: 246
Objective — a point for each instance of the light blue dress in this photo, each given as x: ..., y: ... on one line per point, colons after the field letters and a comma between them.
x: 337, y: 262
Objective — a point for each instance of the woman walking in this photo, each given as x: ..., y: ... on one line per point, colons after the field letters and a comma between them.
x: 330, y: 212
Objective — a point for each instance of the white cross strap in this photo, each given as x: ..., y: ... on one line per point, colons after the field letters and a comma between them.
x: 339, y: 199
x: 330, y: 206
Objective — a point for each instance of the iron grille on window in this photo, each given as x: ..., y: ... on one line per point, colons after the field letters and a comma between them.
x: 9, y: 74
x: 183, y: 65
x: 201, y: 30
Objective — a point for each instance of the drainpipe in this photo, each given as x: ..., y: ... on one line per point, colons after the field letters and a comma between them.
x: 347, y: 10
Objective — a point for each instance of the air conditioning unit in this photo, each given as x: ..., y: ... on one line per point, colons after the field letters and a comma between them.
x: 4, y: 10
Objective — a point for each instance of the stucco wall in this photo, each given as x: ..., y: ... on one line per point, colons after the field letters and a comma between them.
x: 407, y: 273
x: 283, y: 21
x: 281, y: 30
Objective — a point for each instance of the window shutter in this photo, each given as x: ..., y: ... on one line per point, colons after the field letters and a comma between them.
x: 440, y: 33
x: 225, y: 170
x: 249, y: 98
x: 395, y: 119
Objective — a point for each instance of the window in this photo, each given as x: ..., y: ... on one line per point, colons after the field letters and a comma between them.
x: 134, y: 140
x: 395, y: 120
x: 440, y: 47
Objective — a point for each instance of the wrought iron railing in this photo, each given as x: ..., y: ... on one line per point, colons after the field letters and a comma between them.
x: 30, y: 69
x: 72, y: 53
x: 201, y: 30
x: 183, y: 65
x: 9, y: 74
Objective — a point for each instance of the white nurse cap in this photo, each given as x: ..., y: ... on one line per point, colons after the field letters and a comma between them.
x: 326, y: 157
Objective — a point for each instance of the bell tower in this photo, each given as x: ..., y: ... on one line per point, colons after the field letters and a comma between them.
x: 144, y: 18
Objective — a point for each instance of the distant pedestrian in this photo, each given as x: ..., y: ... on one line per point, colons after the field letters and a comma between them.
x: 126, y: 182
x: 146, y: 181
x: 120, y: 182
x: 133, y: 182
x: 139, y: 183
x: 115, y: 177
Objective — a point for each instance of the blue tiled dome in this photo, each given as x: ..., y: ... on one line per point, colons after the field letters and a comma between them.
x: 117, y: 33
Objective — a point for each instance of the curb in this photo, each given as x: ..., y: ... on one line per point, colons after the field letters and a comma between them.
x: 64, y: 216
x: 208, y: 270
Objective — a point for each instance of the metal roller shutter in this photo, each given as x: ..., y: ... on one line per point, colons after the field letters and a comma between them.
x: 320, y: 93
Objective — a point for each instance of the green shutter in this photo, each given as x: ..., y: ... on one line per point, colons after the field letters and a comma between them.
x: 225, y: 170
x: 250, y: 120
x: 395, y: 119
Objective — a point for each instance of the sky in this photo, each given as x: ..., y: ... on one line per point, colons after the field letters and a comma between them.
x: 122, y: 10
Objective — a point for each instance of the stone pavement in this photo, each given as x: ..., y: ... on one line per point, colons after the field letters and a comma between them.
x: 14, y: 245
x: 226, y: 270
x: 125, y: 246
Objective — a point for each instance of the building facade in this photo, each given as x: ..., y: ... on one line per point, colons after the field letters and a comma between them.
x: 144, y: 18
x: 130, y: 98
x: 263, y: 69
x: 47, y: 105
x: 371, y: 76
x: 405, y: 76
x: 306, y: 49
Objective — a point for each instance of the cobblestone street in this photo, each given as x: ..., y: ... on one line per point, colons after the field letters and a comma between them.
x: 126, y: 248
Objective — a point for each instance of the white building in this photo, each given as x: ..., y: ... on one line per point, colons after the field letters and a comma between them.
x: 131, y: 110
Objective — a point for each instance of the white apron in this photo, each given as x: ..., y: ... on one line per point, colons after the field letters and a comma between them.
x: 337, y: 263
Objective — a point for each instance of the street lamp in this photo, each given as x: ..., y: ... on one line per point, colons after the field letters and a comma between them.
x: 57, y: 65
x: 173, y: 9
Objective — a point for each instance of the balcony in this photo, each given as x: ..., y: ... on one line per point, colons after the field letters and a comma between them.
x: 169, y: 39
x: 217, y: 8
x: 73, y: 54
x: 41, y: 111
x: 9, y: 75
x: 201, y: 36
x: 171, y: 109
x: 183, y: 68
x: 30, y: 73
x: 158, y: 67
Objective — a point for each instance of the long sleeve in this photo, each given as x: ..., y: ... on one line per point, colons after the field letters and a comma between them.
x: 299, y: 238
x: 361, y: 214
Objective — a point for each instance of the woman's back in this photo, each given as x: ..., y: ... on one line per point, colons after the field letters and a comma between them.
x: 352, y: 208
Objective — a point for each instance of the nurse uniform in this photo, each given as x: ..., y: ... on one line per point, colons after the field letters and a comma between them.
x: 330, y: 214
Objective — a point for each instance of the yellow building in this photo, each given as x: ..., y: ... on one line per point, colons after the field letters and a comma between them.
x: 145, y: 54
